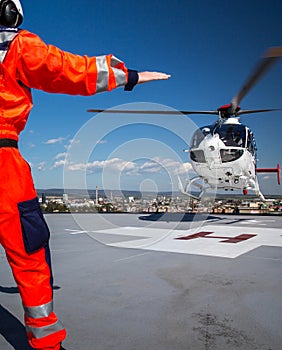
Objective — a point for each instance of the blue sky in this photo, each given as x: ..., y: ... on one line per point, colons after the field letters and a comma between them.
x: 209, y: 48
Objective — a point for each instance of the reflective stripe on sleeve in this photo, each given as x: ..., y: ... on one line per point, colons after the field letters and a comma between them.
x: 5, y: 39
x: 39, y: 311
x: 103, y: 74
x: 120, y: 75
x: 41, y: 332
x: 115, y: 61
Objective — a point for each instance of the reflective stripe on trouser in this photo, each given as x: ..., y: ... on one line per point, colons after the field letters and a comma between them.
x: 43, y: 327
x: 32, y: 271
x: 36, y: 318
x: 39, y: 311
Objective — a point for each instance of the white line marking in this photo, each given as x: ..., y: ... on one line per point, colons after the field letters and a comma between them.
x: 75, y: 232
x: 132, y: 257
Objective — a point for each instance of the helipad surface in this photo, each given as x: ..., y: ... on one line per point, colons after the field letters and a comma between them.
x: 160, y: 282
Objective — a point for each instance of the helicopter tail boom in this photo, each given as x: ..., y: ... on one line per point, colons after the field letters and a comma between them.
x: 271, y: 170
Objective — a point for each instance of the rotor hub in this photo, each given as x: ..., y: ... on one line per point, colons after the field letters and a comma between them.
x: 226, y: 111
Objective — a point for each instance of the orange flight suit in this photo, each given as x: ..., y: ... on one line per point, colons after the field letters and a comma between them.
x: 27, y: 62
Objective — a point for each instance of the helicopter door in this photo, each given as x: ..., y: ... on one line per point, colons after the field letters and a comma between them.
x: 251, y: 143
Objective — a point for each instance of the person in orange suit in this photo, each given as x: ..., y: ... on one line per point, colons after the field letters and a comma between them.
x: 26, y: 62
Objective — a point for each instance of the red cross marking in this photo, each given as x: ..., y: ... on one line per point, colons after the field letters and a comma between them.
x: 204, y: 234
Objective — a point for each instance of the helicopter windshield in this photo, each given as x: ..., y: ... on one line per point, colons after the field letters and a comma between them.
x: 199, y: 135
x: 236, y: 138
x: 232, y: 135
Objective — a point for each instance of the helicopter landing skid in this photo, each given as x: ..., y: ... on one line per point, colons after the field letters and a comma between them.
x: 252, y: 185
x: 187, y: 189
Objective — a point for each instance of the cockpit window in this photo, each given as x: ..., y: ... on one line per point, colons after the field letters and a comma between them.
x: 199, y: 135
x: 232, y: 135
x: 198, y: 156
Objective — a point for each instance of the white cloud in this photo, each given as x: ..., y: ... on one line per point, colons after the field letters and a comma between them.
x: 60, y: 155
x: 156, y: 165
x: 119, y: 164
x: 72, y: 141
x: 150, y: 167
x: 183, y: 169
x: 54, y: 141
x: 59, y: 163
x: 41, y: 166
x: 60, y: 160
x: 115, y: 164
x: 133, y: 172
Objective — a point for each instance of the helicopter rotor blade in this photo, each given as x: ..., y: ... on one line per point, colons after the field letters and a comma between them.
x: 122, y: 111
x: 271, y: 55
x: 251, y: 111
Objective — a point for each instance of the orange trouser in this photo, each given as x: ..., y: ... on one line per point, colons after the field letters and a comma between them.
x: 19, y: 234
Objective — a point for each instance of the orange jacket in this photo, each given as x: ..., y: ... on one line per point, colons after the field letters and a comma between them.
x: 30, y: 63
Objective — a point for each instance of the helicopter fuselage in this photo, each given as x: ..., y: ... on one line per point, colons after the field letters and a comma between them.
x: 224, y: 156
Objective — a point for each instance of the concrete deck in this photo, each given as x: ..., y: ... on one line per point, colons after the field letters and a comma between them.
x: 159, y: 282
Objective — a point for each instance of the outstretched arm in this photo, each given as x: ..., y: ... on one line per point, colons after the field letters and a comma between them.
x: 48, y: 68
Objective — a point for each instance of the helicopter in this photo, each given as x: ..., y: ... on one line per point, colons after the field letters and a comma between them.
x: 224, y: 154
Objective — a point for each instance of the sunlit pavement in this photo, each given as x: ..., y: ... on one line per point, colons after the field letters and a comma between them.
x: 160, y: 282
